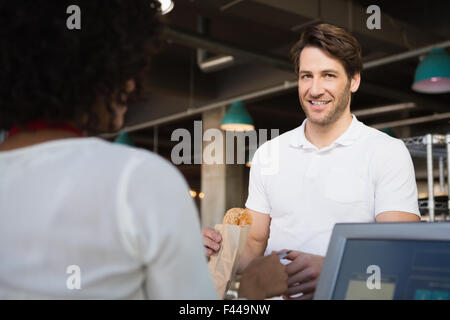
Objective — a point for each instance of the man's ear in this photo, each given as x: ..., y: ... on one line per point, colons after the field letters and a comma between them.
x: 355, y: 81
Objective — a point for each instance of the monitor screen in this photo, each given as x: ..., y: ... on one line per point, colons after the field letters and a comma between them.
x: 394, y: 269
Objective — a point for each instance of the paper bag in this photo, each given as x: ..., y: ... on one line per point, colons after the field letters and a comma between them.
x: 223, y: 265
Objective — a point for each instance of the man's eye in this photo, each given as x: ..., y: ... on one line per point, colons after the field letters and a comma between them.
x: 306, y: 76
x: 330, y: 75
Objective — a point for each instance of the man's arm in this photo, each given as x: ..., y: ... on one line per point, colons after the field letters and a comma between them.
x: 257, y: 239
x: 395, y: 184
x: 397, y: 216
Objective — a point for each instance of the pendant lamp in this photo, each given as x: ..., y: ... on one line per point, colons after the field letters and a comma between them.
x: 166, y: 6
x: 237, y: 118
x: 433, y: 73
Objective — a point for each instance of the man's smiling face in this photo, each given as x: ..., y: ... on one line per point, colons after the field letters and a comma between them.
x: 324, y: 87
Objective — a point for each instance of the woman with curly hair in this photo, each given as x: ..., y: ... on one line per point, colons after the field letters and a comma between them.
x: 81, y: 217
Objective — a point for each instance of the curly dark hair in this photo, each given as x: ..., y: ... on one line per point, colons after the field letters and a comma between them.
x: 50, y: 72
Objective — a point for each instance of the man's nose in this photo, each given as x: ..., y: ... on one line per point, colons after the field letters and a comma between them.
x: 316, y: 89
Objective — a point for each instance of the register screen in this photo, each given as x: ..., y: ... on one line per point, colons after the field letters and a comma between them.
x: 394, y: 269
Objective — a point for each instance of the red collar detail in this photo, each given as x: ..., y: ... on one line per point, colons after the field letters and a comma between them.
x: 36, y: 125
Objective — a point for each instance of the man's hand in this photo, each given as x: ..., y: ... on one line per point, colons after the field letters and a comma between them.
x: 303, y: 272
x: 264, y: 277
x: 211, y: 241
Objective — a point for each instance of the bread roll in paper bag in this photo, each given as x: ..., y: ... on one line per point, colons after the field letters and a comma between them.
x: 234, y: 231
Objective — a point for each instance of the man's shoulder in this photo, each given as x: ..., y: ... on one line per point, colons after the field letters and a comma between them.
x: 383, y: 148
x: 375, y: 138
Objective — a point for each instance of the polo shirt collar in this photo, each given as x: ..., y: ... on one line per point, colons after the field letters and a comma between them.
x: 347, y: 138
x: 298, y: 139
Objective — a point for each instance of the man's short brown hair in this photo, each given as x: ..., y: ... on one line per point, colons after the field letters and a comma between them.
x: 336, y: 41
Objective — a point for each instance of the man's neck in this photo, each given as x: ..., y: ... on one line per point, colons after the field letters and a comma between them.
x: 323, y: 136
x: 29, y: 138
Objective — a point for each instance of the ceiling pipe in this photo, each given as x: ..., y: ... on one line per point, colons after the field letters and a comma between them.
x: 230, y: 4
x: 405, y: 55
x: 406, y: 122
x: 194, y: 40
x: 384, y: 109
x: 214, y: 63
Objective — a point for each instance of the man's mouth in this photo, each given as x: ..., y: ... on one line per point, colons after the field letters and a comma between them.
x: 319, y: 104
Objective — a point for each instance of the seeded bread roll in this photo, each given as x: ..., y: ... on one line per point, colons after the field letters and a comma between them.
x: 238, y: 217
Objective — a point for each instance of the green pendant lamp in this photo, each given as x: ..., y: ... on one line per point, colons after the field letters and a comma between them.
x: 237, y: 118
x: 433, y: 73
x: 124, y: 138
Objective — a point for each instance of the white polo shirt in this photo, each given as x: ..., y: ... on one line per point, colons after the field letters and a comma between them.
x: 306, y: 191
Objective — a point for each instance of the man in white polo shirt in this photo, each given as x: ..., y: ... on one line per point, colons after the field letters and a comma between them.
x: 332, y: 169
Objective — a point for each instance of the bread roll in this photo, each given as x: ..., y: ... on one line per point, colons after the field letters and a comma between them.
x: 245, y: 218
x: 238, y: 217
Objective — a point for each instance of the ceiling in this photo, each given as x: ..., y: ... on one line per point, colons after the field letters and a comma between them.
x: 259, y: 35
